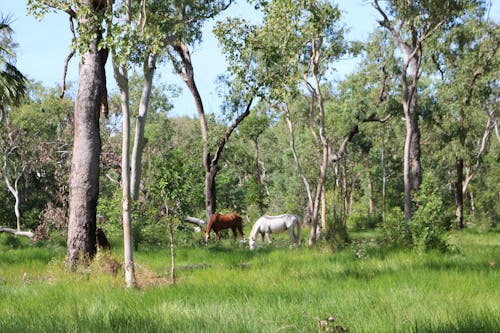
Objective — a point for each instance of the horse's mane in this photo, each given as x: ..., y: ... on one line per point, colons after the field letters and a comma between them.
x: 255, y: 229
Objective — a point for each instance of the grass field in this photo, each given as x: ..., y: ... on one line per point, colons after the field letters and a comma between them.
x: 225, y: 287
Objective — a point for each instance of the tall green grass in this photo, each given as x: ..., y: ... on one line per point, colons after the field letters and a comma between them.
x: 225, y: 287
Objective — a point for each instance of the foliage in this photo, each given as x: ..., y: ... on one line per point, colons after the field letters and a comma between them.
x: 13, y: 84
x: 393, y: 227
x: 431, y: 220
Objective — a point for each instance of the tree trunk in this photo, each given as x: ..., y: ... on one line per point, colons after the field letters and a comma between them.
x: 209, y: 161
x: 210, y: 192
x: 412, y: 174
x: 138, y: 148
x: 84, y: 177
x: 172, y: 253
x: 371, y: 203
x: 310, y: 202
x: 459, y: 194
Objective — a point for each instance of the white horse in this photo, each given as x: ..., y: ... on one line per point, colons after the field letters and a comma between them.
x: 266, y: 225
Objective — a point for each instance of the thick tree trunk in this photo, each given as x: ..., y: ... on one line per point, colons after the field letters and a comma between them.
x: 138, y: 148
x: 84, y: 178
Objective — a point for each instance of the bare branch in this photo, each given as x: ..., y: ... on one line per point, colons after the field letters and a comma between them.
x: 229, y: 131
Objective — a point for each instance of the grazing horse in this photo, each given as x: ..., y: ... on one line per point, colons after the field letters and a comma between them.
x: 266, y: 225
x: 220, y: 222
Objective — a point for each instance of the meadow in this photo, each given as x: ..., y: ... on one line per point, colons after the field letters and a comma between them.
x: 225, y: 287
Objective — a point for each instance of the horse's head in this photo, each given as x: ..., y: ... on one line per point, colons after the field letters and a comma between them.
x: 251, y: 242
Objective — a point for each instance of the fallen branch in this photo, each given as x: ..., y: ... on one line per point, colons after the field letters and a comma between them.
x: 17, y: 232
x: 199, y: 222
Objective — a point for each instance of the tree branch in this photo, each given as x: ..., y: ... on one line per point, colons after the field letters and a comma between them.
x: 229, y: 131
x: 17, y: 232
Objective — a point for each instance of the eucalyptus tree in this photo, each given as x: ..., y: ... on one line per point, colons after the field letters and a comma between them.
x: 411, y: 24
x: 84, y: 178
x: 294, y: 47
x: 190, y: 16
x: 253, y: 128
x: 12, y: 81
x: 467, y: 60
x: 121, y: 45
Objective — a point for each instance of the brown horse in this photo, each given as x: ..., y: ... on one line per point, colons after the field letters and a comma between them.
x: 220, y: 222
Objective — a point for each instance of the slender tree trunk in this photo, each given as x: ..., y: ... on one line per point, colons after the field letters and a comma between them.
x: 172, y: 252
x: 315, y: 61
x: 258, y: 175
x: 459, y: 194
x: 310, y: 202
x: 384, y: 173
x: 13, y: 189
x: 121, y: 76
x: 210, y: 192
x: 323, y: 209
x: 371, y: 203
x: 407, y: 179
x: 138, y: 148
x: 84, y: 178
x: 128, y: 256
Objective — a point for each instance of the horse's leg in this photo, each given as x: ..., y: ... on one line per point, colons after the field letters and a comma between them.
x: 268, y: 236
x: 291, y: 231
x: 235, y: 235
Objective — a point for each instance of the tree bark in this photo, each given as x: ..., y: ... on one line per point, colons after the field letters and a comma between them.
x: 84, y: 178
x: 121, y: 76
x: 459, y: 195
x: 138, y: 148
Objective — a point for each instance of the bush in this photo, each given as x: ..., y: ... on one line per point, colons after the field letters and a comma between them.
x: 361, y: 221
x: 336, y: 236
x: 393, y: 227
x: 431, y: 221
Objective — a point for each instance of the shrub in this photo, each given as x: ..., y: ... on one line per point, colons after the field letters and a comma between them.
x: 393, y: 227
x: 431, y: 221
x: 360, y: 221
x: 336, y: 236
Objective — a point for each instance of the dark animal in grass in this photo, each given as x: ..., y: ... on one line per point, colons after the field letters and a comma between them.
x: 102, y: 240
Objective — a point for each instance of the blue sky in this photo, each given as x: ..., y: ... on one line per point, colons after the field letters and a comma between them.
x: 43, y: 46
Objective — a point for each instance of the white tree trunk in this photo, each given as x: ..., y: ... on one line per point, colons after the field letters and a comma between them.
x: 137, y: 150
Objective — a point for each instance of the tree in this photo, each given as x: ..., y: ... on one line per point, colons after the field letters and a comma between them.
x: 467, y: 59
x: 120, y: 64
x: 12, y: 81
x: 172, y: 186
x: 411, y: 23
x: 12, y: 91
x: 179, y: 54
x: 84, y: 178
x: 295, y: 45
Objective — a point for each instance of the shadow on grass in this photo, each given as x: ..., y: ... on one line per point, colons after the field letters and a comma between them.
x: 470, y: 323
